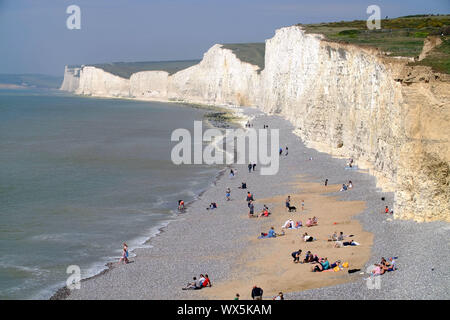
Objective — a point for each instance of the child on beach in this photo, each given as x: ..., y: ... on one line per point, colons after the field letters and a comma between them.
x: 228, y: 194
x: 303, y: 205
x: 124, y: 257
x: 296, y: 255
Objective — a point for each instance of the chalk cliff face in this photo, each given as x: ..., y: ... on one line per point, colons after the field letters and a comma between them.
x: 343, y: 99
x: 220, y: 78
x: 96, y: 82
x: 71, y: 79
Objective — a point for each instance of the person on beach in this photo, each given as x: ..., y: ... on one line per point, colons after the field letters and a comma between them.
x: 124, y: 257
x: 257, y: 293
x: 386, y: 210
x: 333, y: 237
x: 287, y: 151
x: 243, y: 185
x: 212, y: 206
x: 228, y: 194
x: 206, y: 282
x: 326, y: 182
x: 350, y: 184
x: 341, y: 236
x: 303, y: 205
x: 249, y: 197
x: 237, y: 296
x: 231, y: 173
x: 344, y: 187
x: 288, y: 224
x: 321, y: 265
x: 279, y: 296
x: 251, y: 208
x: 250, y: 167
x: 201, y: 280
x: 307, y: 238
x: 194, y: 285
x: 264, y: 212
x: 254, y: 166
x: 281, y: 151
x: 288, y: 203
x: 181, y: 205
x: 296, y: 255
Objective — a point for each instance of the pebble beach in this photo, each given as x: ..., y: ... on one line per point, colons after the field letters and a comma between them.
x: 214, y: 241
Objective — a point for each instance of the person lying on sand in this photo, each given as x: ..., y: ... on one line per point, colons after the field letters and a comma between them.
x: 212, y: 206
x: 307, y: 238
x: 271, y: 234
x: 340, y: 244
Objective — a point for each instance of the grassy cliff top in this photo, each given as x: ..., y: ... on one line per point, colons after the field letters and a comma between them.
x: 402, y: 36
x: 126, y: 69
x: 252, y: 53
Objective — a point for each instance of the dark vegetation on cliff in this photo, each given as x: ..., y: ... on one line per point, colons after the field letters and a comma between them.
x: 403, y: 36
x: 252, y: 53
x: 126, y: 69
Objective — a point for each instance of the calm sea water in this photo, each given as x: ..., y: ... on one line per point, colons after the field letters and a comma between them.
x: 78, y: 176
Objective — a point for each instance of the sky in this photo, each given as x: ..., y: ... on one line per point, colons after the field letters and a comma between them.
x: 34, y: 37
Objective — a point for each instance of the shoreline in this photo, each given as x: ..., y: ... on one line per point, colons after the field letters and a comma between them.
x: 63, y: 292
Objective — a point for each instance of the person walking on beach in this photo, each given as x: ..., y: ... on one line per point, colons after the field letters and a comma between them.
x: 250, y: 197
x: 249, y: 167
x: 124, y: 257
x: 287, y: 151
x: 288, y: 202
x: 326, y: 182
x: 231, y: 173
x: 228, y: 194
x: 281, y: 151
x: 251, y: 209
x: 303, y: 205
x: 257, y: 293
x: 254, y: 166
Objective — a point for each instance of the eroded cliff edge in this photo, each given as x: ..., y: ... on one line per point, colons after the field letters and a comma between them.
x: 343, y: 99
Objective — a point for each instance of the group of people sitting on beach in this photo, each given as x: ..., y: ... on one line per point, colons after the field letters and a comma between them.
x: 312, y: 222
x: 385, y: 266
x: 339, y: 240
x: 345, y: 187
x: 202, y: 282
x: 320, y: 264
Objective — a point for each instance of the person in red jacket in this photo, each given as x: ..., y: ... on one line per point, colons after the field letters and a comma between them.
x: 207, y: 282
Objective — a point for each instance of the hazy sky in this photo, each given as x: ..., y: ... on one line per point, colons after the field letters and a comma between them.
x: 34, y: 37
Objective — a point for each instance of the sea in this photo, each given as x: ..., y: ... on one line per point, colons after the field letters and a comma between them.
x: 78, y: 177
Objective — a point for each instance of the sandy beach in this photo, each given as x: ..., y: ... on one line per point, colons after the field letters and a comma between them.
x: 223, y: 242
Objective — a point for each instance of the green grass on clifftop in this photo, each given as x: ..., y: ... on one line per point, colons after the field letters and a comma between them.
x: 252, y: 53
x: 126, y: 69
x: 403, y: 36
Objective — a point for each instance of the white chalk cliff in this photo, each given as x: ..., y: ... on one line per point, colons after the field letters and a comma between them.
x: 343, y: 99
